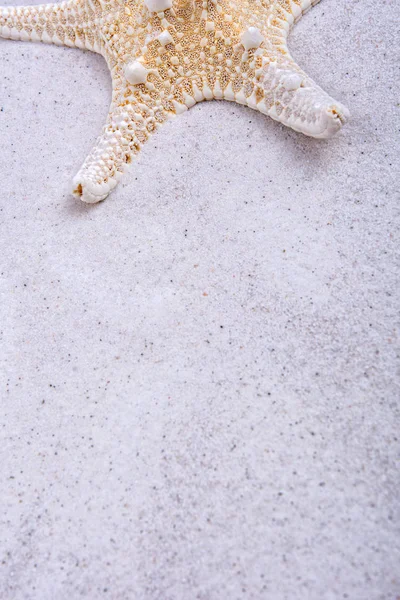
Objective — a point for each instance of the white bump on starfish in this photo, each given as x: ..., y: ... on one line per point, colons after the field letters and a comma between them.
x: 165, y: 38
x: 164, y: 58
x: 136, y: 73
x: 158, y: 5
x: 251, y: 38
x: 292, y: 82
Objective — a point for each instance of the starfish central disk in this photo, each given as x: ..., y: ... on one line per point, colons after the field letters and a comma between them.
x: 166, y: 55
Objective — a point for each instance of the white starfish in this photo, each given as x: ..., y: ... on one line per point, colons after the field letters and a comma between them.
x: 166, y: 55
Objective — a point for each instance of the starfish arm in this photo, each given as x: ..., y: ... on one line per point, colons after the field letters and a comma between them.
x: 282, y: 90
x: 267, y: 78
x: 67, y: 23
x: 288, y: 95
x: 136, y: 111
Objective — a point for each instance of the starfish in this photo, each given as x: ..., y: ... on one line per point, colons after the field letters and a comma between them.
x: 166, y: 55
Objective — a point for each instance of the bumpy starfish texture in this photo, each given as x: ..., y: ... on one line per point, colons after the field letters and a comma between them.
x: 167, y: 55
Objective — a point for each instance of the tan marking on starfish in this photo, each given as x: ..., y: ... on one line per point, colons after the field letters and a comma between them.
x: 165, y: 56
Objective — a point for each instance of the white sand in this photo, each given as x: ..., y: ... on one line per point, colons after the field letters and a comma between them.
x: 199, y: 394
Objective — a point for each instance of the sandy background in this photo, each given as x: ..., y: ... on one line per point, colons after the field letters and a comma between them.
x: 199, y: 376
